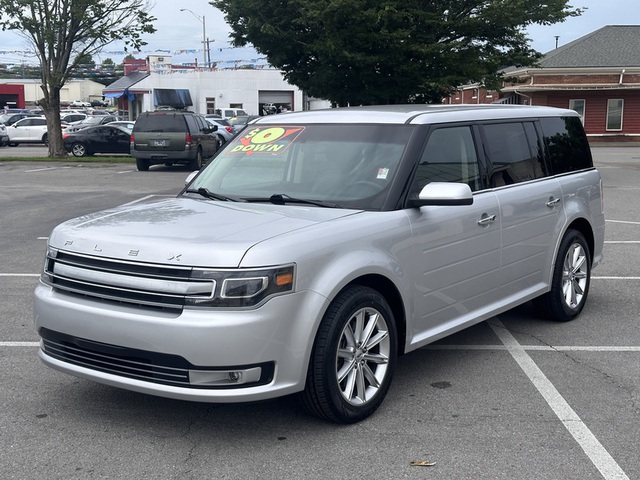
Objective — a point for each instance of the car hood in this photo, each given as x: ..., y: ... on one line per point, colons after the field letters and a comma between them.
x: 185, y: 231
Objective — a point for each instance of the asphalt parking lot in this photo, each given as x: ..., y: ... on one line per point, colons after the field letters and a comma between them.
x: 515, y: 397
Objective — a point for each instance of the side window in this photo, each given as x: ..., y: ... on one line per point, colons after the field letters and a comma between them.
x: 566, y: 144
x: 450, y: 156
x: 192, y: 125
x: 510, y: 154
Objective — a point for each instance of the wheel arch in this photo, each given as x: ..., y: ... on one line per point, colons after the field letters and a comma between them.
x: 583, y: 226
x: 389, y: 291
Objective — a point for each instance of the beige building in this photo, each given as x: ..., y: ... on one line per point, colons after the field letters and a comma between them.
x: 80, y: 89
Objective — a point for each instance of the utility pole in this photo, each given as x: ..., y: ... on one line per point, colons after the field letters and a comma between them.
x: 205, y: 45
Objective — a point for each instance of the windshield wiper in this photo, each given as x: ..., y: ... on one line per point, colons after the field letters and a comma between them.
x: 205, y: 192
x: 283, y: 198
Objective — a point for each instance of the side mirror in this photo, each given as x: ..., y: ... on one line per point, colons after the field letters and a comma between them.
x: 190, y: 177
x: 443, y: 193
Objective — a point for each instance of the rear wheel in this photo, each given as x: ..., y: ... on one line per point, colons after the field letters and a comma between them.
x: 570, y: 281
x: 78, y: 149
x: 45, y: 139
x: 196, y: 163
x: 142, y: 164
x: 353, y: 357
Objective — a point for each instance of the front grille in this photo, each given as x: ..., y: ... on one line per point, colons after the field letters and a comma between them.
x: 141, y: 284
x: 132, y: 363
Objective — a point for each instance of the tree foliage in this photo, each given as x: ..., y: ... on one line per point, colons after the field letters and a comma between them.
x: 390, y: 51
x: 64, y: 33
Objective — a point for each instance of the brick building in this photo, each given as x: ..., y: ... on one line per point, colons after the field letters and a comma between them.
x: 597, y: 75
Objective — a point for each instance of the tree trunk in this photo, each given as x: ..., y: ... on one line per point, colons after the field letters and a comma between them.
x: 51, y: 106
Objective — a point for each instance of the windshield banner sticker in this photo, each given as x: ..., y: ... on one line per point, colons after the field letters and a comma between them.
x: 274, y: 140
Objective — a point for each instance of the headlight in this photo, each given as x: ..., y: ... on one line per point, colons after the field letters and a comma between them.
x: 244, y: 288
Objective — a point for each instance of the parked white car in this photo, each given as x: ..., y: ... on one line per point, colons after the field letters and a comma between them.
x: 28, y: 130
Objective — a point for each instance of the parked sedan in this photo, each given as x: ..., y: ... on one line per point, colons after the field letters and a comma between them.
x: 91, y: 121
x: 225, y: 131
x: 99, y: 139
x: 239, y: 122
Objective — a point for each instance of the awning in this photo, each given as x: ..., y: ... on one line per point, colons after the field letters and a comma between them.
x: 124, y: 93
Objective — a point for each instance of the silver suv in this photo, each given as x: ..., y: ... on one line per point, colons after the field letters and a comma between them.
x: 320, y: 246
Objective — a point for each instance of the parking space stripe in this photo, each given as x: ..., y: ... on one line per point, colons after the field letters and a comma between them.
x: 19, y: 344
x: 541, y: 348
x: 623, y: 221
x: 598, y: 455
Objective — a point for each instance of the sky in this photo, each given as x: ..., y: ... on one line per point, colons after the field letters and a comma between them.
x: 179, y: 33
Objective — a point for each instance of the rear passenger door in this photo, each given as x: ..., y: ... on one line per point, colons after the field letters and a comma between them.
x: 530, y: 205
x: 456, y: 248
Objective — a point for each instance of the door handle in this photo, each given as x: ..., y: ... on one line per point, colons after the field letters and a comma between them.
x: 486, y: 220
x: 553, y: 202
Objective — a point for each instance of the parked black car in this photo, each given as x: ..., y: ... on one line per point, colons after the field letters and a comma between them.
x: 99, y: 139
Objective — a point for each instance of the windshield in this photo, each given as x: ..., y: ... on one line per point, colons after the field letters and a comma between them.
x: 351, y: 166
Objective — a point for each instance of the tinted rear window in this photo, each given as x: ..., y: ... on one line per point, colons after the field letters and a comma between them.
x: 566, y: 143
x: 160, y: 123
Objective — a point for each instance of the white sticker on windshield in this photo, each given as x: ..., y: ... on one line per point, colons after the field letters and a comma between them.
x: 382, y: 173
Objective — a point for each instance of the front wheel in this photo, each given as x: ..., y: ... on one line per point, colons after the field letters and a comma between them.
x: 353, y: 357
x: 570, y: 281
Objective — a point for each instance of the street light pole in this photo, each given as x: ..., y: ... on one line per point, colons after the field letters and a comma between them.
x: 205, y: 44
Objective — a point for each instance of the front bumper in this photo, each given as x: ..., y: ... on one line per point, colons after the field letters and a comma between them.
x: 269, y: 346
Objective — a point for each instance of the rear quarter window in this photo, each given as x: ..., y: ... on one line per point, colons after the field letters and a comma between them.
x: 566, y: 144
x: 513, y: 152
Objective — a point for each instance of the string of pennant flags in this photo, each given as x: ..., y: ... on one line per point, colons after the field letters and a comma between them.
x: 258, y: 62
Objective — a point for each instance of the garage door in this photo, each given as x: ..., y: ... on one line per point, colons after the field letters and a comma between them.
x: 271, y: 101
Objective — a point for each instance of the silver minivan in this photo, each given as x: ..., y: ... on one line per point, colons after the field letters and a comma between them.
x: 317, y: 247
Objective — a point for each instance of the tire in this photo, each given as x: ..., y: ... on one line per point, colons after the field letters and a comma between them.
x: 142, y: 164
x: 221, y: 142
x: 196, y: 163
x: 13, y: 144
x: 570, y: 281
x: 45, y: 139
x: 347, y: 380
x: 79, y: 150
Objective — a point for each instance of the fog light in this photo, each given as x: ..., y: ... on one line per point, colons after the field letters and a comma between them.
x: 219, y: 378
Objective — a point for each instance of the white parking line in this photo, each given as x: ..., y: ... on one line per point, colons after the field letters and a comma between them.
x: 598, y: 455
x: 19, y: 344
x: 19, y: 274
x: 623, y: 221
x: 542, y: 348
x: 46, y: 168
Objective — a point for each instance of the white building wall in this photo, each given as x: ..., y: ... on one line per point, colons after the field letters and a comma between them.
x: 227, y: 87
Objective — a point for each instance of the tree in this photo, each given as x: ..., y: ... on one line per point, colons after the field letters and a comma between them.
x: 64, y: 32
x: 390, y: 51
